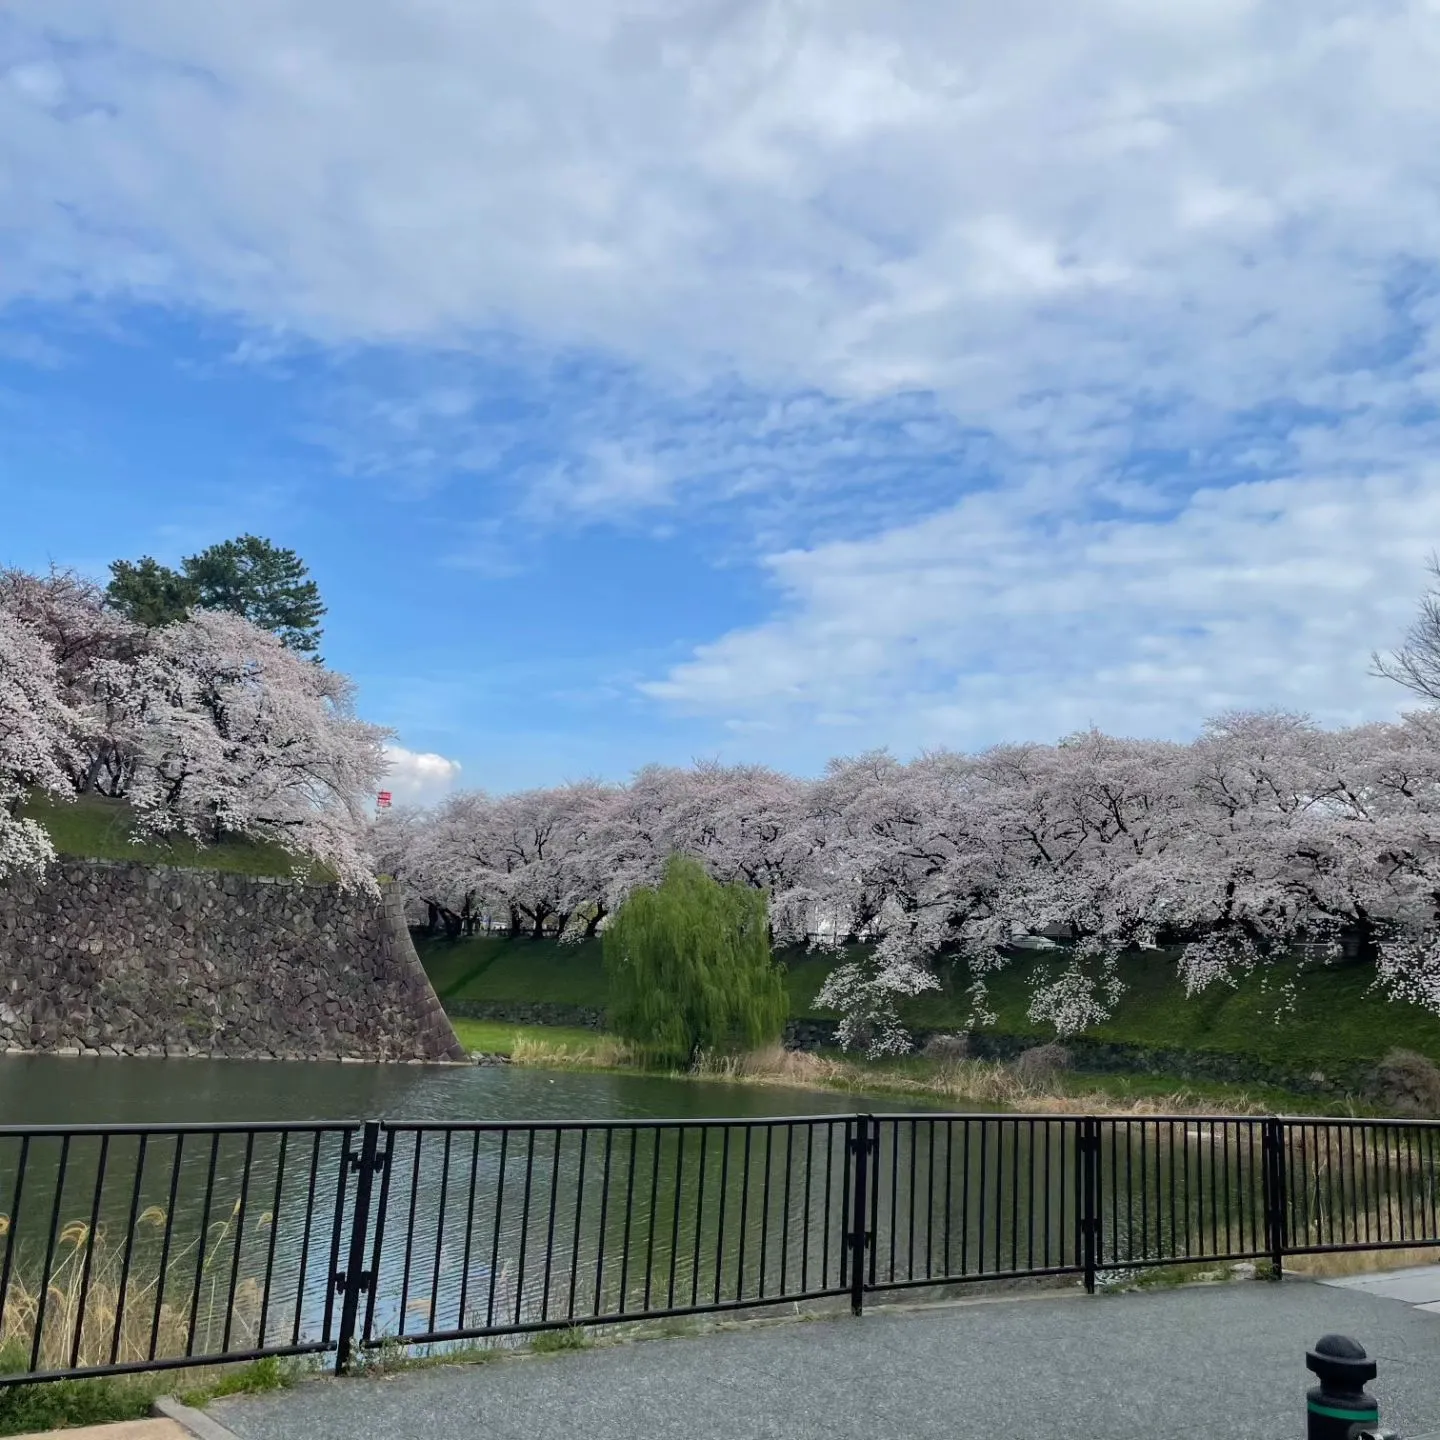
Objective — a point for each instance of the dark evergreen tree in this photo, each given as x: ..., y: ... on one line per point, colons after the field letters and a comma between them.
x: 270, y: 586
x: 149, y: 593
x: 689, y: 968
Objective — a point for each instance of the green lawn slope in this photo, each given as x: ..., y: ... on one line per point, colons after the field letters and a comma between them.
x: 97, y: 827
x: 503, y: 971
x: 1333, y: 1017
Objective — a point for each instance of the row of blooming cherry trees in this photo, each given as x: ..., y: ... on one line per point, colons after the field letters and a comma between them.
x: 208, y: 726
x: 1263, y: 833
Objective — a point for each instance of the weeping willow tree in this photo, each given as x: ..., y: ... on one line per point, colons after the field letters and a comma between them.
x: 688, y: 968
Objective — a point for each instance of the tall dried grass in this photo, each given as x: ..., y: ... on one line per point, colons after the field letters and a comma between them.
x: 1341, y: 1263
x: 972, y: 1081
x: 602, y: 1053
x: 95, y: 1313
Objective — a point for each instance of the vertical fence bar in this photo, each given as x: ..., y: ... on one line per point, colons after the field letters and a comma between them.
x: 337, y: 1229
x: 524, y: 1227
x: 89, y: 1251
x: 1273, y: 1150
x: 45, y: 1269
x: 382, y: 1212
x: 122, y: 1290
x: 270, y: 1246
x: 165, y: 1250
x: 1089, y: 1197
x: 354, y: 1279
x: 863, y: 1137
x: 549, y: 1232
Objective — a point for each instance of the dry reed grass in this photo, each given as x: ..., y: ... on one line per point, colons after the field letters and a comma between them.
x: 1361, y: 1262
x: 603, y: 1053
x: 115, y: 1322
x: 973, y: 1081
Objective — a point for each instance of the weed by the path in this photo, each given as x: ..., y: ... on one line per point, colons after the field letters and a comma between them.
x: 63, y: 1404
x: 550, y: 1342
x: 25, y: 1409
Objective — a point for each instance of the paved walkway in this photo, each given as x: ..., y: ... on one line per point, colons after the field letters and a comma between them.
x: 1194, y: 1362
x: 1418, y: 1286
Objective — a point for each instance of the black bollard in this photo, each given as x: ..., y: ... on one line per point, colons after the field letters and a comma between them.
x: 1339, y: 1401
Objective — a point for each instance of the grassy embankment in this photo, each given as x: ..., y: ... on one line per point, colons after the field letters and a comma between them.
x: 1333, y: 1024
x: 96, y: 827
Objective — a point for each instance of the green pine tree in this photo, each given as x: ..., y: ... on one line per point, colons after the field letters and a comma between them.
x: 149, y: 593
x: 689, y: 968
x: 270, y: 586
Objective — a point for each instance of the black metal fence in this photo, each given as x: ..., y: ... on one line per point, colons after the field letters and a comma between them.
x: 145, y: 1247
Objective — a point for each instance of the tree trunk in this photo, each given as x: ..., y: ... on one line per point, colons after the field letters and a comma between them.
x: 92, y: 772
x: 1358, y: 943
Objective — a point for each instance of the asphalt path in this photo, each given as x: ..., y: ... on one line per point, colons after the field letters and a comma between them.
x: 1201, y: 1361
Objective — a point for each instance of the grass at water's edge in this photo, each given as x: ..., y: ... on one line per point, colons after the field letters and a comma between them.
x: 495, y: 1037
x: 967, y: 1082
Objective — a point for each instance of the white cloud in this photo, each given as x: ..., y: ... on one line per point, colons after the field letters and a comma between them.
x: 988, y: 200
x: 1132, y: 248
x: 1274, y: 592
x: 418, y: 778
x: 609, y: 477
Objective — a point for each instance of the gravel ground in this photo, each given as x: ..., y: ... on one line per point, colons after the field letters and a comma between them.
x: 1197, y: 1361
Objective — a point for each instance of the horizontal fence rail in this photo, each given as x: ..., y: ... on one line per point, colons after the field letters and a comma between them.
x: 147, y: 1247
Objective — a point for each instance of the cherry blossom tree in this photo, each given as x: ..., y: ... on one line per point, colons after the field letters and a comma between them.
x: 638, y: 831
x: 543, y: 863
x: 85, y: 640
x: 35, y: 741
x: 899, y: 858
x: 743, y: 822
x: 237, y: 734
x: 1265, y: 834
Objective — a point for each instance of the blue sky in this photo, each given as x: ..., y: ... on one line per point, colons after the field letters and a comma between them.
x: 765, y: 379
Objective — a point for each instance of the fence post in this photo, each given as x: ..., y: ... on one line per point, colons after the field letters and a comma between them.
x: 354, y: 1279
x: 1273, y: 1154
x: 861, y: 1144
x: 1088, y: 1210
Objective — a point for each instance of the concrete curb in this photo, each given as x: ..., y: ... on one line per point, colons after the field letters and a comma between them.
x: 194, y: 1422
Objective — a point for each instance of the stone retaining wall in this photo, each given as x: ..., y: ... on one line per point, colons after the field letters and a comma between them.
x: 121, y: 958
